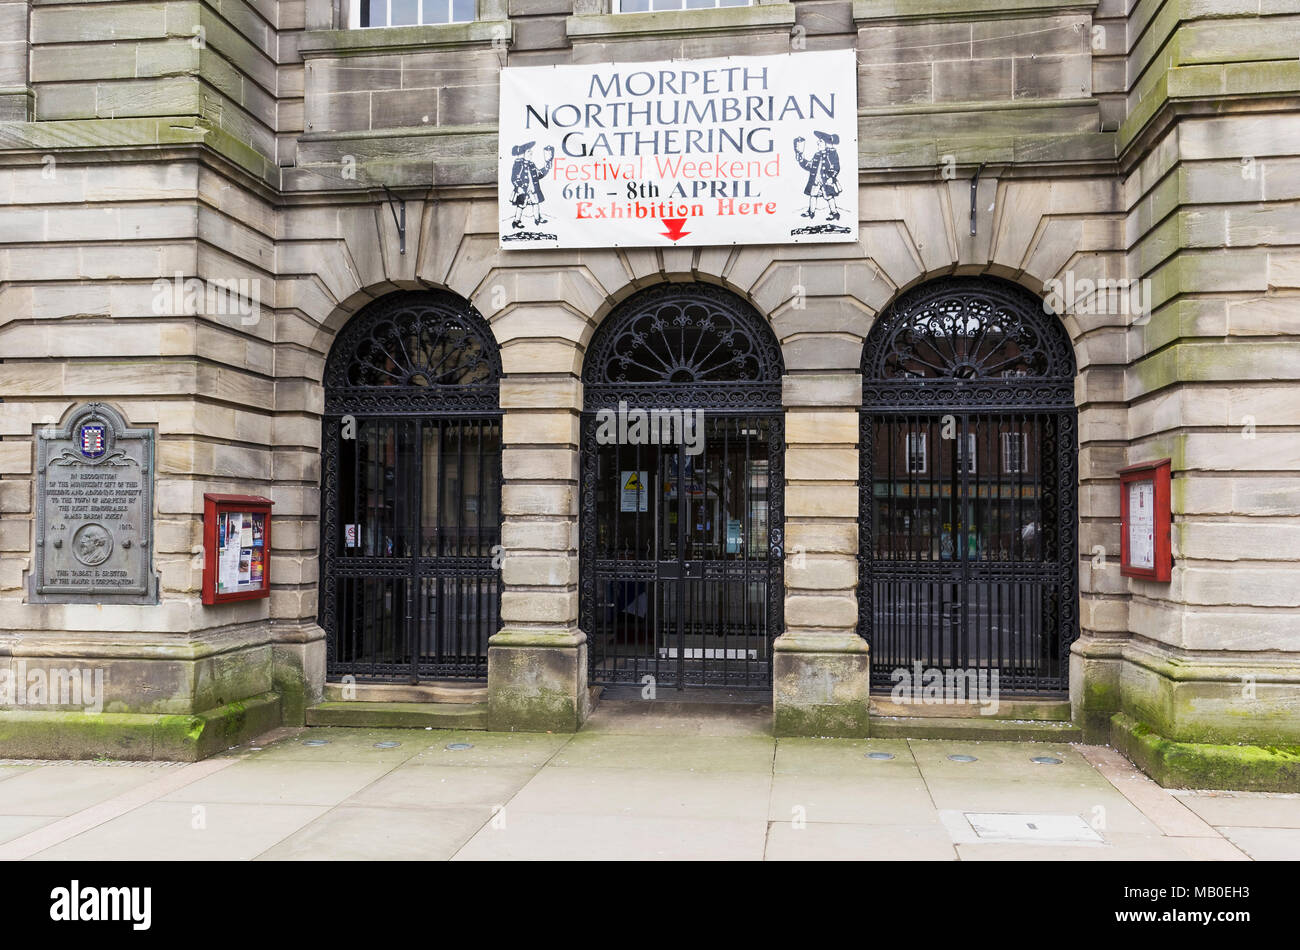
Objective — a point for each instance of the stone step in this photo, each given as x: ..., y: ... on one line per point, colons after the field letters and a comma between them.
x: 937, y: 727
x: 1053, y: 709
x: 399, y: 715
x: 442, y: 691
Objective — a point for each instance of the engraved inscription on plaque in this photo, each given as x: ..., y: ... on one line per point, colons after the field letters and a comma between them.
x: 94, y: 511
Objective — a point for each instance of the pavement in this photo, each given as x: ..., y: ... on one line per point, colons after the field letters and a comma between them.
x: 635, y: 783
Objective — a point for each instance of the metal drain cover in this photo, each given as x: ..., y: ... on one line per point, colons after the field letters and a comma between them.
x: 387, y: 745
x: 1028, y: 827
x: 880, y: 755
x: 460, y: 746
x: 1045, y: 760
x: 316, y: 742
x: 963, y: 758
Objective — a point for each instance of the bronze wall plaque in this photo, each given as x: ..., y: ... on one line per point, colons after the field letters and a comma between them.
x: 94, y: 511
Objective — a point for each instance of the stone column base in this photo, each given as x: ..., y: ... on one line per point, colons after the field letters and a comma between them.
x: 537, y: 681
x: 1205, y: 765
x: 821, y: 686
x: 1193, y: 720
x: 298, y: 670
x: 1211, y: 698
x: 45, y: 734
x: 1094, y: 685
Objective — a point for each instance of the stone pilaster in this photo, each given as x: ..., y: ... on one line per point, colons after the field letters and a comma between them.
x: 16, y: 97
x: 821, y: 669
x: 1209, y: 681
x: 537, y: 662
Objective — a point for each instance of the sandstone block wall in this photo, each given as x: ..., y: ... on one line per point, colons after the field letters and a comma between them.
x: 246, y: 141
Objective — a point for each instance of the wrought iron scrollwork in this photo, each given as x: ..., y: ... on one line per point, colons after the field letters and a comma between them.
x: 414, y: 353
x: 410, y: 365
x: 687, y: 347
x: 983, y: 358
x: 690, y: 345
x: 967, y: 342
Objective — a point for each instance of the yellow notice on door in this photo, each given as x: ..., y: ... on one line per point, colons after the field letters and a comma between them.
x: 634, y: 491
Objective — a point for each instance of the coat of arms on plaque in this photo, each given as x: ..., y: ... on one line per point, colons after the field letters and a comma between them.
x: 92, y: 441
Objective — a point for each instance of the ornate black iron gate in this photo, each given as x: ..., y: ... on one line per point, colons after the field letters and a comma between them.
x: 682, y: 516
x: 411, y: 491
x: 968, y: 552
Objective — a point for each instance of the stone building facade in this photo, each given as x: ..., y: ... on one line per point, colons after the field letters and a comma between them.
x: 261, y: 146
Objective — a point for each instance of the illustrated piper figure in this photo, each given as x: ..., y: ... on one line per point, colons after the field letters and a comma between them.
x: 823, y: 170
x: 526, y: 180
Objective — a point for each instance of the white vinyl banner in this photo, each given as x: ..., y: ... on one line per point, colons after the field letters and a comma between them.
x: 740, y: 150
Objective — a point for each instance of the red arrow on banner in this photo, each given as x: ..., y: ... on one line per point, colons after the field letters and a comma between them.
x: 675, y: 232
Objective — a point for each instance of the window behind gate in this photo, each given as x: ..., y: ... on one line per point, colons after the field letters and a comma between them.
x: 411, y: 491
x: 682, y: 539
x: 968, y: 548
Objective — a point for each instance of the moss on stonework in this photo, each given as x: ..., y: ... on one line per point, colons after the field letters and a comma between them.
x: 839, y: 721
x: 293, y: 701
x: 543, y: 710
x: 287, y: 679
x: 1100, y: 695
x: 1099, y: 701
x: 74, y: 735
x: 28, y: 734
x: 1204, y: 765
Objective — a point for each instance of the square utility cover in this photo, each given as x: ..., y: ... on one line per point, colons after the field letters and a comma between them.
x: 1018, y: 827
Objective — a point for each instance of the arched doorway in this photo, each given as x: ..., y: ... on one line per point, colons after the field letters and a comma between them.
x: 968, y: 549
x: 682, y: 486
x: 411, y: 491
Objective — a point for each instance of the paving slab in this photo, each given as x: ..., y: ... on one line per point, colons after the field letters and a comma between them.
x: 491, y: 749
x: 369, y: 833
x: 676, y: 753
x: 646, y: 793
x: 281, y: 782
x: 844, y: 757
x: 180, y: 831
x: 1260, y: 809
x: 325, y: 744
x: 1146, y: 850
x: 1212, y: 849
x: 830, y: 841
x: 839, y: 798
x: 648, y: 787
x: 12, y: 826
x: 631, y: 717
x: 1266, y: 844
x: 1103, y: 808
x: 1002, y: 759
x: 63, y: 789
x: 1168, y: 813
x: 425, y: 786
x: 534, y: 836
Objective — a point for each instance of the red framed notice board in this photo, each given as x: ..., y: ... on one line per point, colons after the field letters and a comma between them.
x: 236, y: 547
x: 1144, y: 521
